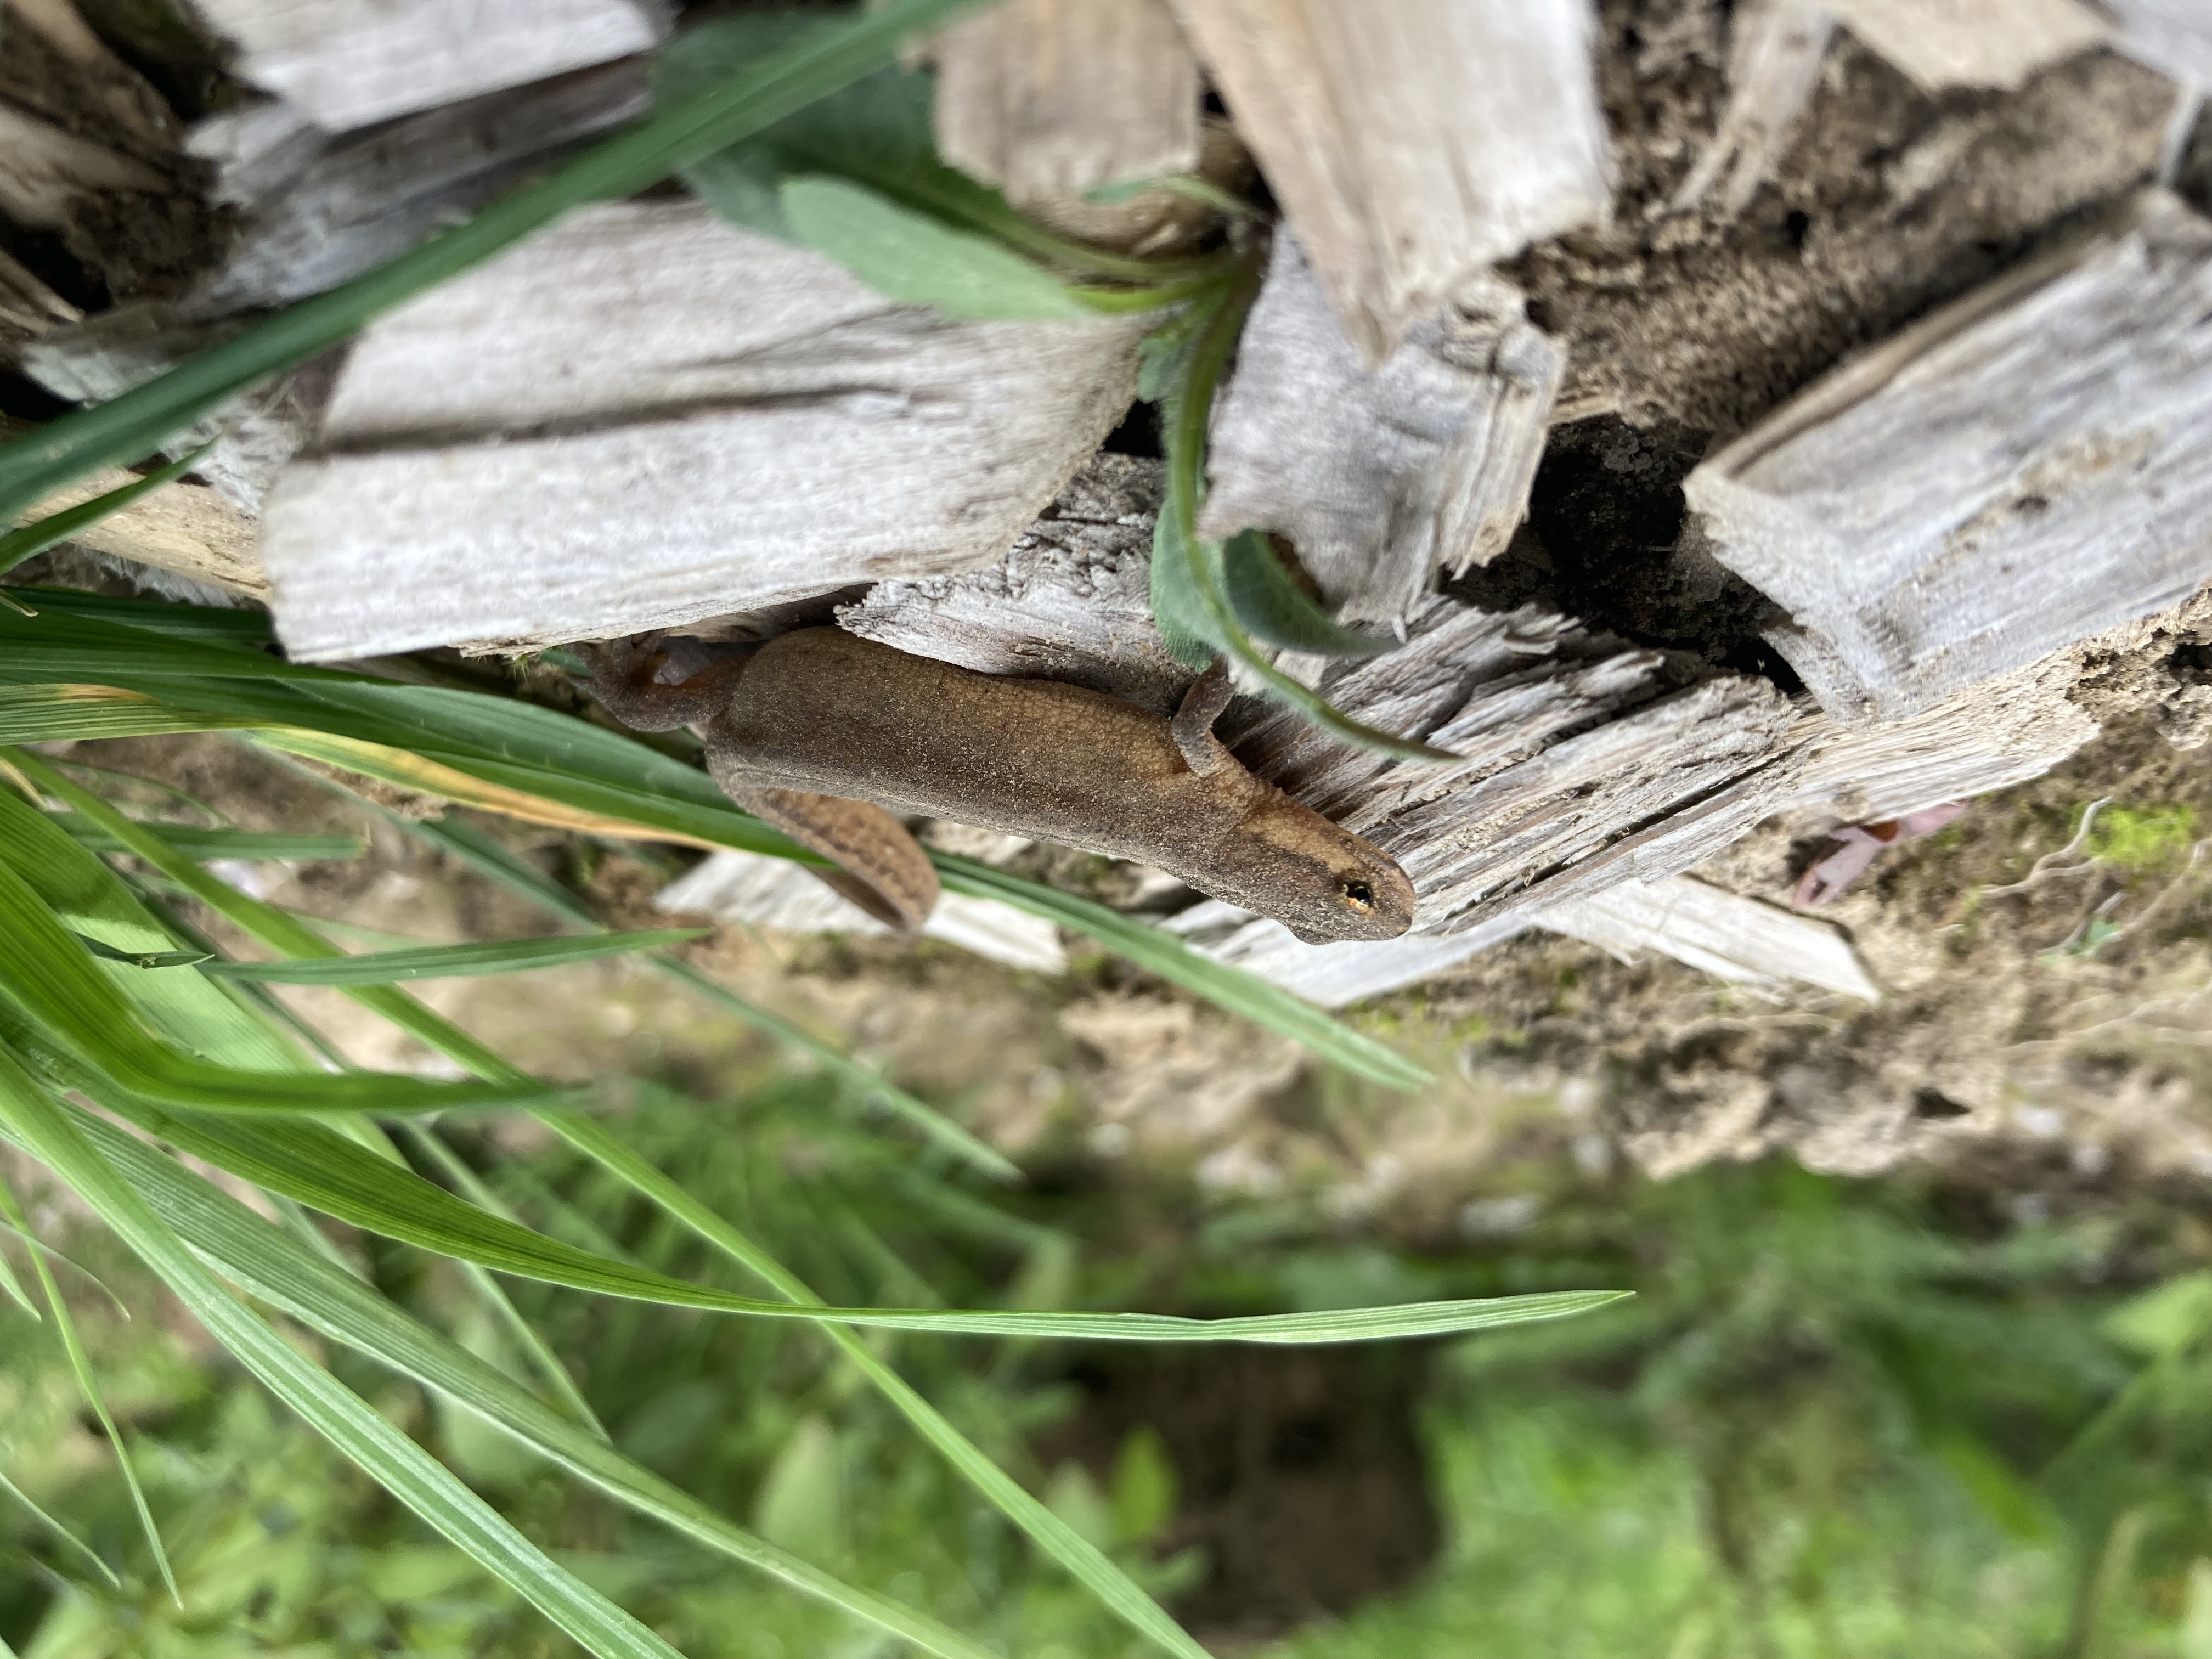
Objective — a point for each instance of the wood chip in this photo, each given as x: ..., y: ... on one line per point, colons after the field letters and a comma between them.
x: 1049, y: 98
x: 1705, y: 927
x: 1336, y: 975
x: 186, y: 529
x: 1973, y: 43
x: 1701, y: 926
x: 325, y: 209
x: 765, y: 892
x: 348, y: 64
x: 47, y: 174
x: 1775, y: 48
x: 1380, y: 477
x: 644, y: 416
x: 1411, y: 142
x: 2028, y: 466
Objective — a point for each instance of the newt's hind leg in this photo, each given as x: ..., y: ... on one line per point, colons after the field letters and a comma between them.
x: 1193, y: 726
x: 622, y: 680
x: 880, y: 867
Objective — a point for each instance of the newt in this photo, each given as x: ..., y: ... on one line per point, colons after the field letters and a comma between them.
x: 826, y: 735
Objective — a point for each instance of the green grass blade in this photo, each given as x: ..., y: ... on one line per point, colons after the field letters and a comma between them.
x: 348, y: 1423
x: 198, y: 843
x: 95, y: 901
x: 12, y: 1287
x: 451, y: 961
x: 211, y: 625
x: 257, y: 1257
x: 32, y: 539
x: 39, y: 1247
x: 143, y: 419
x: 80, y: 1363
x: 429, y: 1146
x: 311, y: 1162
x: 60, y: 1531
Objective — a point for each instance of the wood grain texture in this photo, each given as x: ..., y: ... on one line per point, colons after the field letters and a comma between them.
x: 1972, y: 43
x: 1050, y: 98
x: 348, y: 64
x: 2025, y: 468
x: 1990, y: 737
x: 324, y: 208
x: 1411, y: 142
x: 643, y: 417
x: 1694, y: 922
x: 1334, y: 975
x: 765, y: 892
x: 1070, y: 600
x: 47, y: 173
x: 1380, y: 477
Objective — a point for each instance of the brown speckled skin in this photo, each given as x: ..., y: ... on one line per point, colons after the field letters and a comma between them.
x: 829, y: 712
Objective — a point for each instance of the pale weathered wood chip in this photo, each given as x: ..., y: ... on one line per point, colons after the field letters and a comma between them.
x: 1049, y: 98
x: 1412, y: 143
x: 643, y: 417
x: 1382, y: 476
x: 2026, y: 467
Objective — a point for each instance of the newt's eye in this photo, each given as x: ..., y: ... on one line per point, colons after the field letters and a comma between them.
x: 1360, y: 895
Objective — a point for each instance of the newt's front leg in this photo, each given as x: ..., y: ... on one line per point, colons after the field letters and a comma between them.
x: 878, y: 866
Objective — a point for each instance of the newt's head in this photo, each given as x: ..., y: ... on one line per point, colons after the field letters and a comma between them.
x: 1322, y: 883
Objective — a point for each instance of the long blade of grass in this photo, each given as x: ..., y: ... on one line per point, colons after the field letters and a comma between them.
x: 34, y: 538
x: 142, y: 420
x: 451, y: 961
x: 12, y: 1288
x: 342, y: 1418
x: 60, y: 1531
x: 39, y: 1247
x: 96, y: 902
x: 257, y: 1257
x: 312, y: 1162
x: 79, y: 1364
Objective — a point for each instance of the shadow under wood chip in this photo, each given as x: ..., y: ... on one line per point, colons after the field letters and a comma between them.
x: 1300, y: 1474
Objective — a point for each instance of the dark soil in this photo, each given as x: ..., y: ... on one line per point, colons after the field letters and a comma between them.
x: 1300, y: 1474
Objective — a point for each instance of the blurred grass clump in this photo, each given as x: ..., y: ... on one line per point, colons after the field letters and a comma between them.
x: 1839, y: 1419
